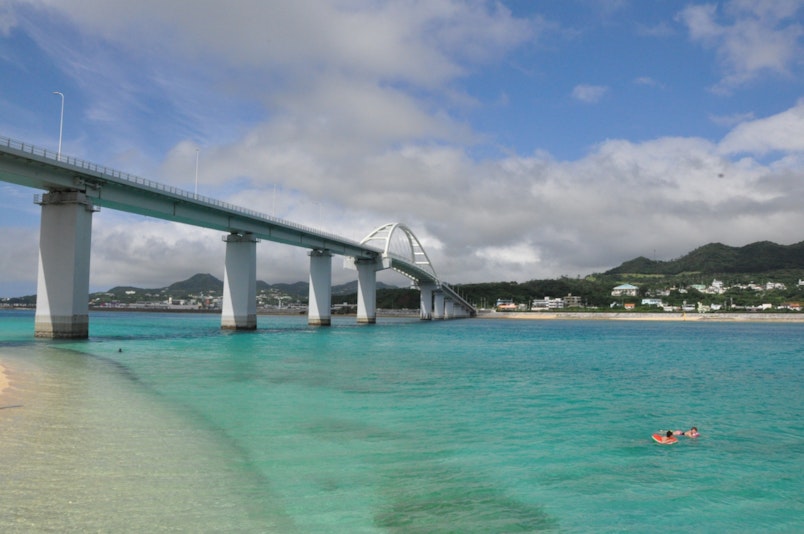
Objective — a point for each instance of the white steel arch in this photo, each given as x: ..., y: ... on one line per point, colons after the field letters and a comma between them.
x: 398, y: 242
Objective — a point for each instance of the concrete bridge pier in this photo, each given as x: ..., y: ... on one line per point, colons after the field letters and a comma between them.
x: 62, y: 292
x: 319, y: 311
x: 438, y: 304
x: 366, y: 291
x: 239, y: 307
x: 426, y: 300
x: 449, y: 309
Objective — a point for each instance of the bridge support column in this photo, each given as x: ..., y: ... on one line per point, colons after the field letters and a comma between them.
x: 449, y: 309
x: 366, y: 291
x: 62, y: 291
x: 239, y: 308
x: 426, y: 300
x: 320, y: 302
x: 438, y: 304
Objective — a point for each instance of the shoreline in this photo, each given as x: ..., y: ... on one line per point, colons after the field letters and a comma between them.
x: 661, y: 316
x: 728, y: 317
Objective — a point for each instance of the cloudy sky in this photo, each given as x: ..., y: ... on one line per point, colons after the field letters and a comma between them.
x: 518, y: 139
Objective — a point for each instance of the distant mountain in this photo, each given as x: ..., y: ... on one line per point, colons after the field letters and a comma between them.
x: 198, y: 283
x: 350, y: 288
x: 297, y: 289
x: 713, y: 258
x: 208, y: 284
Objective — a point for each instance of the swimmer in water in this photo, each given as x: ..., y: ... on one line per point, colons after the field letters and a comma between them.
x: 691, y: 433
x: 668, y: 437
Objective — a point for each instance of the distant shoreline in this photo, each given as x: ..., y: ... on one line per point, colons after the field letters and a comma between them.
x: 728, y: 317
x: 659, y: 316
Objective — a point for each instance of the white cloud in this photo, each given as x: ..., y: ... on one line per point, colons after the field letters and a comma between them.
x: 758, y: 37
x: 783, y: 132
x: 518, y: 218
x: 589, y: 94
x: 412, y: 41
x: 520, y: 253
x: 525, y: 217
x: 731, y: 120
x: 296, y: 116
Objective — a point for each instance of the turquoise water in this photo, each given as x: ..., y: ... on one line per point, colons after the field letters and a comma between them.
x: 403, y: 426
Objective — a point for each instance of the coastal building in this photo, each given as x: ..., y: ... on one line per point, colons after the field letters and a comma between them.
x: 624, y: 290
x: 505, y: 305
x: 716, y: 287
x: 547, y: 304
x: 652, y: 302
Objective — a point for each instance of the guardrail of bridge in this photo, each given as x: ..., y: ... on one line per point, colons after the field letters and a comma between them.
x: 34, y: 150
x: 455, y: 293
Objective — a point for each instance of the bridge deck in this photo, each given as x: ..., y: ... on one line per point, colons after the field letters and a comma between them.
x: 27, y: 165
x: 32, y: 166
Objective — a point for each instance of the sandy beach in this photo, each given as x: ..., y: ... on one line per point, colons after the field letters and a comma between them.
x: 664, y: 316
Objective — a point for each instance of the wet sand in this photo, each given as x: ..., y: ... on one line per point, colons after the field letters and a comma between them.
x: 86, y: 449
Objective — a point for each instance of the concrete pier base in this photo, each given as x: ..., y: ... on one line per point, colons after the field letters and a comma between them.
x: 438, y: 305
x: 449, y: 309
x: 320, y: 301
x: 366, y: 291
x: 62, y: 292
x: 239, y: 307
x: 426, y: 301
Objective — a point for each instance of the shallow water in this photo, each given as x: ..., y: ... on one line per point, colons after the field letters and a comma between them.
x: 403, y: 426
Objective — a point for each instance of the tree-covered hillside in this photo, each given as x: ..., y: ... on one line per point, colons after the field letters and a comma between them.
x: 716, y: 258
x: 743, y: 270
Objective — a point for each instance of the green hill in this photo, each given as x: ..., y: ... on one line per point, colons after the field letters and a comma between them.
x: 198, y: 283
x: 717, y: 258
x: 207, y: 284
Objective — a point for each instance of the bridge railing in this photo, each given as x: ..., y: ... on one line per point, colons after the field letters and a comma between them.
x: 425, y: 268
x: 29, y: 148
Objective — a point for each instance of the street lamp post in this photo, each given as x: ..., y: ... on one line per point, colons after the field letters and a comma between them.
x: 196, y: 170
x: 61, y: 122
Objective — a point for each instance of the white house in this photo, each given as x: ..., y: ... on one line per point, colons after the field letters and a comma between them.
x: 652, y: 302
x: 624, y: 290
x: 547, y: 304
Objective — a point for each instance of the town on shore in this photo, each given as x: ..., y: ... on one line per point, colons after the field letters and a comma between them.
x: 759, y: 278
x: 716, y: 297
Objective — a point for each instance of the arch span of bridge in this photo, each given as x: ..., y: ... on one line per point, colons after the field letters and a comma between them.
x: 76, y: 189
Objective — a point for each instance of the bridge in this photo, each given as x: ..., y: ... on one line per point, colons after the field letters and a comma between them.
x: 76, y: 189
